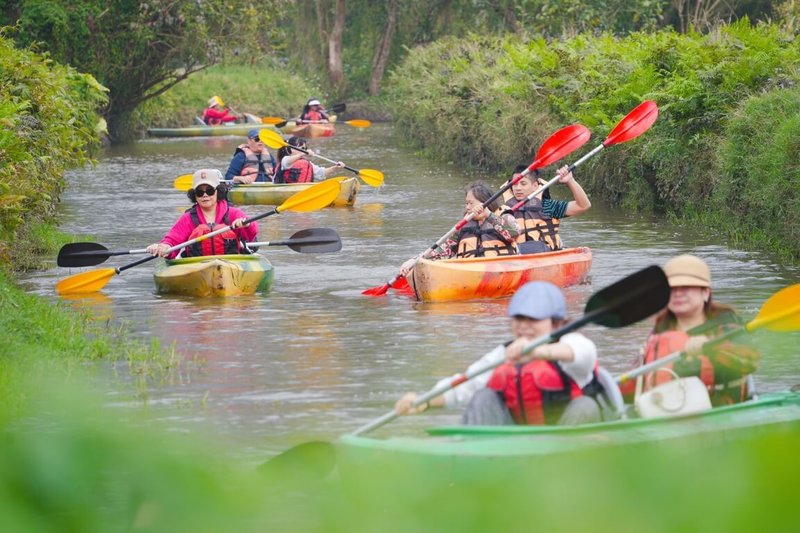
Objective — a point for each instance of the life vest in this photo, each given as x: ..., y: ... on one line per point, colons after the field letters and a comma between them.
x: 226, y: 242
x: 301, y: 171
x: 256, y: 164
x: 482, y: 240
x: 537, y: 392
x: 314, y: 116
x: 662, y: 344
x: 535, y: 225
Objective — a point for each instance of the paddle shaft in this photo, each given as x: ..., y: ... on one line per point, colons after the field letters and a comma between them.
x: 351, y: 169
x: 489, y: 365
x: 196, y: 239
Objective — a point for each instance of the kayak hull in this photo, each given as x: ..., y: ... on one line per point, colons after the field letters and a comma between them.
x: 217, y: 275
x: 276, y: 194
x: 453, y: 455
x: 309, y: 130
x: 496, y: 277
x: 207, y: 131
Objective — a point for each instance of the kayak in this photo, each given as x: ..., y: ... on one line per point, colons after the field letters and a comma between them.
x: 309, y: 130
x: 277, y: 193
x: 207, y: 131
x: 453, y: 454
x: 496, y: 277
x: 215, y: 275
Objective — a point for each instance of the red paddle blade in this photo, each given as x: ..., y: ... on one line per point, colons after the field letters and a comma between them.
x: 634, y: 124
x: 560, y: 144
x: 402, y: 286
x: 376, y: 291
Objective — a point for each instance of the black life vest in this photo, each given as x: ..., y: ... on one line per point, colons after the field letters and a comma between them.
x: 226, y: 242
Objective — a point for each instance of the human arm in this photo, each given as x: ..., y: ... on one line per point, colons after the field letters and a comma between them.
x: 734, y: 356
x: 323, y: 173
x: 576, y: 354
x: 235, y: 168
x: 248, y: 232
x: 179, y: 233
x: 581, y: 202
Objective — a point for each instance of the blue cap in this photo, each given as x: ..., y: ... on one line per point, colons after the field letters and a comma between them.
x: 252, y: 134
x: 538, y: 300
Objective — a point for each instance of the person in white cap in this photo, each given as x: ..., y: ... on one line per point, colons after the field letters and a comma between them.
x: 210, y: 211
x: 691, y: 319
x: 313, y: 112
x: 216, y: 113
x: 567, y: 366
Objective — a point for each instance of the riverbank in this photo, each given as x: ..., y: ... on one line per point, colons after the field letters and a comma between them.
x: 721, y: 157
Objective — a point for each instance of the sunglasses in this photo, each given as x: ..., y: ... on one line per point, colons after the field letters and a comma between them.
x: 204, y: 191
x: 255, y: 139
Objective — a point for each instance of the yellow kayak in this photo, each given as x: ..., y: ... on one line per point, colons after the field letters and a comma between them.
x: 277, y: 193
x: 214, y: 275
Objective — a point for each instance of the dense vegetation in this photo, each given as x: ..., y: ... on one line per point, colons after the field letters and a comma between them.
x: 490, y: 101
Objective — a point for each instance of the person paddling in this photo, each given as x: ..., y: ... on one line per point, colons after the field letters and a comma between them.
x: 486, y: 235
x: 210, y: 210
x: 313, y: 113
x: 691, y: 319
x: 294, y: 167
x: 539, y: 219
x: 252, y: 162
x: 557, y: 380
x: 216, y: 113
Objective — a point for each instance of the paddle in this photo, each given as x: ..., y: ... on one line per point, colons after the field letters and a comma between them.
x: 372, y: 177
x: 557, y: 146
x: 313, y: 240
x: 781, y: 312
x: 316, y: 197
x: 629, y: 300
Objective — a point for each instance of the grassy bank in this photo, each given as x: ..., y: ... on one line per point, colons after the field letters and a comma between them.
x: 263, y: 89
x: 727, y: 102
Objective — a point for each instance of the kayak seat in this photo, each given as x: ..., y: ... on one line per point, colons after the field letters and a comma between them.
x: 610, y: 400
x: 533, y: 247
x: 199, y: 121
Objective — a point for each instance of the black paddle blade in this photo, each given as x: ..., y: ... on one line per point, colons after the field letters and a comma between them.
x: 307, y: 462
x: 339, y: 108
x: 315, y: 240
x: 82, y: 254
x: 631, y: 299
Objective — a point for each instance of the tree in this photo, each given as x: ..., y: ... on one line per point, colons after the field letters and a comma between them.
x: 335, y: 66
x: 381, y: 58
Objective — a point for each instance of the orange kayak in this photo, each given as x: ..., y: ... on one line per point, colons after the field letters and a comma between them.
x: 496, y: 277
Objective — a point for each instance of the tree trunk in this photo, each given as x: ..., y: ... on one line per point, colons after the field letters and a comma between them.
x: 322, y: 27
x: 335, y: 67
x: 384, y: 49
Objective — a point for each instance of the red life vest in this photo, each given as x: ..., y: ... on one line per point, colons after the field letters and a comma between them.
x: 261, y: 165
x: 314, y: 116
x: 301, y: 171
x: 226, y: 242
x: 543, y: 387
x: 482, y: 240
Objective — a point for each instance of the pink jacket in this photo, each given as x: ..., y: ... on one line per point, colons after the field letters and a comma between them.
x: 184, y: 226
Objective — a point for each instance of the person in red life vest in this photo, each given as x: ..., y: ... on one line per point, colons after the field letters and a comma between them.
x: 691, y: 319
x: 252, y: 162
x: 294, y: 167
x: 209, y: 212
x: 216, y: 113
x: 486, y: 235
x: 539, y: 219
x: 557, y: 380
x: 313, y: 112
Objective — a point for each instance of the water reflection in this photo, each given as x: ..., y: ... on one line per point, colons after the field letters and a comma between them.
x: 314, y: 358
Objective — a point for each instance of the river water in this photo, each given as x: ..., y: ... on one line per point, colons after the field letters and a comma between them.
x: 314, y: 358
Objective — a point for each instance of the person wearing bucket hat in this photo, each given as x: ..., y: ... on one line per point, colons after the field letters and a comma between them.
x: 252, y: 162
x: 313, y: 112
x: 536, y: 309
x: 691, y: 319
x: 209, y: 211
x: 216, y: 113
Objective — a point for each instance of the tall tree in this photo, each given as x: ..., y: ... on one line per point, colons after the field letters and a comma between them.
x: 335, y: 64
x: 381, y: 57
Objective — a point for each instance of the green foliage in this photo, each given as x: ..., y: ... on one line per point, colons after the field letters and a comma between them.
x: 492, y: 101
x: 49, y: 116
x: 263, y: 89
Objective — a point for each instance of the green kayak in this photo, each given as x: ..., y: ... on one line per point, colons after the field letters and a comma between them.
x: 208, y: 131
x: 453, y: 454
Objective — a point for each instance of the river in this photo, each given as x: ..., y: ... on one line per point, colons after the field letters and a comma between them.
x: 314, y: 358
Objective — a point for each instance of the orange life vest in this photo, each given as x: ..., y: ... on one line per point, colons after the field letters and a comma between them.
x: 482, y: 240
x: 261, y: 165
x: 535, y: 225
x: 537, y: 392
x: 662, y: 344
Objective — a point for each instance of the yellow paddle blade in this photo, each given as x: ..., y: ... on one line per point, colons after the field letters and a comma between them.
x: 272, y: 139
x: 359, y: 123
x: 91, y: 281
x: 315, y: 197
x: 372, y: 177
x: 272, y: 120
x: 781, y: 312
x: 183, y: 183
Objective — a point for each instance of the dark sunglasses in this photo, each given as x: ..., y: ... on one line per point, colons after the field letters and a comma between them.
x: 256, y: 139
x: 204, y: 191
